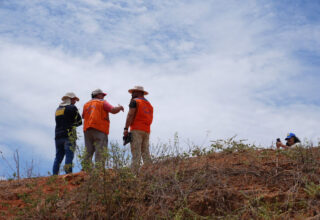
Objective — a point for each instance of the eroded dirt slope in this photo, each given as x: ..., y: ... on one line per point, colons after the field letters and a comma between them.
x: 250, y: 184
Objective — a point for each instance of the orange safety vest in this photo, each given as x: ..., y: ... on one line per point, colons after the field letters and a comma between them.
x: 144, y: 116
x: 95, y: 116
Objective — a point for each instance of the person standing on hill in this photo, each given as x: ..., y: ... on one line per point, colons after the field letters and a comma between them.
x: 292, y: 141
x: 96, y: 127
x: 67, y: 119
x: 139, y: 119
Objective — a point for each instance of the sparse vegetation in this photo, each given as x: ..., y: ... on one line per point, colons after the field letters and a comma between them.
x: 227, y: 180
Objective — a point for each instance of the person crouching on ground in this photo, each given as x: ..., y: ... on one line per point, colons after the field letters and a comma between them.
x: 67, y: 119
x: 96, y: 128
x: 292, y: 141
x: 139, y: 120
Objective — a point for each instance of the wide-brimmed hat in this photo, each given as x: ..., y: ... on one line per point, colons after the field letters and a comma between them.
x: 98, y: 91
x: 138, y: 88
x: 70, y: 95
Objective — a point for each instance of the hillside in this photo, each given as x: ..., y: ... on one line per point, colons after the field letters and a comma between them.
x: 234, y: 183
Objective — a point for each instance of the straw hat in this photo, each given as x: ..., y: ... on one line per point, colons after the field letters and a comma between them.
x: 138, y: 88
x: 98, y: 91
x: 70, y: 95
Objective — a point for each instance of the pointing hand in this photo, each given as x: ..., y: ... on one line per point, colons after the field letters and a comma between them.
x: 121, y: 107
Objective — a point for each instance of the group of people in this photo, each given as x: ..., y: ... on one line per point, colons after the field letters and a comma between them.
x: 96, y: 125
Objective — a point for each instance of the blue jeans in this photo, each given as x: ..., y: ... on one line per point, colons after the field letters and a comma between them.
x: 63, y: 147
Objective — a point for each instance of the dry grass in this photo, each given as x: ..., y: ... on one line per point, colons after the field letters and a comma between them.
x: 238, y: 182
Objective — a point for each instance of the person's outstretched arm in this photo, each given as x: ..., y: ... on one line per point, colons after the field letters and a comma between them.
x: 117, y: 109
x: 279, y: 144
x: 109, y: 108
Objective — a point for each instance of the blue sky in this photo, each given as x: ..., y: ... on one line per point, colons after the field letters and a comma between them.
x: 220, y: 68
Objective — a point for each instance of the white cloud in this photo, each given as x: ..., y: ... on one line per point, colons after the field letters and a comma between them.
x: 216, y: 95
x: 208, y: 66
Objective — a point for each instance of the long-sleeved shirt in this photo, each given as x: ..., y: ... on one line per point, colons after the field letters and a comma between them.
x: 67, y: 118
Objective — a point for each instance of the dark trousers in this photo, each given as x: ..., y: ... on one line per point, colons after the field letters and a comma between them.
x: 64, y: 147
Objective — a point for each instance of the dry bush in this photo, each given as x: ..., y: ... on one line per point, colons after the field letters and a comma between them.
x: 228, y: 180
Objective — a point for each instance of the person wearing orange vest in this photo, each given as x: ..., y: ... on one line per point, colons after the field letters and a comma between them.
x: 139, y: 120
x: 96, y: 127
